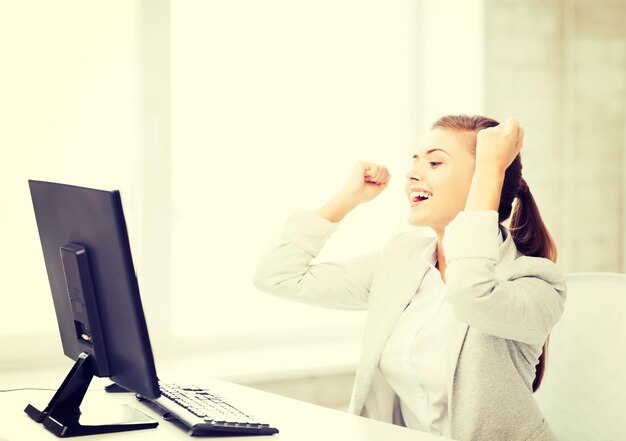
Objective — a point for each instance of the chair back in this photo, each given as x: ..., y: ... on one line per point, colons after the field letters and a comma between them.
x: 583, y: 392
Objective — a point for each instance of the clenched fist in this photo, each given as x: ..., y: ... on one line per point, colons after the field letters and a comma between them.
x: 366, y: 181
x: 497, y: 147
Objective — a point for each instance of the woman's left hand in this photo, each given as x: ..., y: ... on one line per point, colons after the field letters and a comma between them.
x: 497, y: 147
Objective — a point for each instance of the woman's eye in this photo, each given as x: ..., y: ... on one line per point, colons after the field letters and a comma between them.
x: 434, y: 164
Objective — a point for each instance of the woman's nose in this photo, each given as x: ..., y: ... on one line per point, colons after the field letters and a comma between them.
x: 412, y: 174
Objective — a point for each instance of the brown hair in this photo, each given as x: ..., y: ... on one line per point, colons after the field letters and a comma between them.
x: 527, y: 229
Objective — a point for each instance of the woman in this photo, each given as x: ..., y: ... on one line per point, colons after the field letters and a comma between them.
x: 456, y: 325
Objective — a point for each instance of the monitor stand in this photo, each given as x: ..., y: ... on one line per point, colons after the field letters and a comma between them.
x: 62, y: 415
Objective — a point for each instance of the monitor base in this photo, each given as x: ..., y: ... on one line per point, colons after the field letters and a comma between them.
x: 62, y: 415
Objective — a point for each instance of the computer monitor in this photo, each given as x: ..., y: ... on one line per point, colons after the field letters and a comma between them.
x: 96, y: 298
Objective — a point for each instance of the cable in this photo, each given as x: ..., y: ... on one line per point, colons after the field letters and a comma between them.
x: 37, y: 388
x: 23, y: 388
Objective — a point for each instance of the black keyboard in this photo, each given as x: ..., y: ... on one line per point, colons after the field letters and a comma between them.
x: 204, y: 412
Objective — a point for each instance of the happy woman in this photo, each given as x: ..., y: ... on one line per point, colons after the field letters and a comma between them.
x: 457, y: 325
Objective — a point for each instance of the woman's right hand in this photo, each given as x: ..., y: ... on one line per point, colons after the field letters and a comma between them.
x: 366, y: 181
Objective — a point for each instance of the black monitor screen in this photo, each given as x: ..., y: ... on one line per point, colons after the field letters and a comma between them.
x: 72, y: 219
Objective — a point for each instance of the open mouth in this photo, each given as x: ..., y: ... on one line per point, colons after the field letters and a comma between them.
x: 419, y: 196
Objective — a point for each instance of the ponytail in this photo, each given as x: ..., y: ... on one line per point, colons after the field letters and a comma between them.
x: 532, y: 238
x: 529, y: 233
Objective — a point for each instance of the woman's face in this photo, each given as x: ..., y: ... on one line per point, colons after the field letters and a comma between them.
x: 442, y: 168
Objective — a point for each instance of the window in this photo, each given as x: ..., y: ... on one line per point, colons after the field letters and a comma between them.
x: 261, y: 107
x: 272, y: 104
x: 69, y: 105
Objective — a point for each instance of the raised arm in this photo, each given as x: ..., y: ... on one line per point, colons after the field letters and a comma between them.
x: 286, y: 270
x: 518, y: 300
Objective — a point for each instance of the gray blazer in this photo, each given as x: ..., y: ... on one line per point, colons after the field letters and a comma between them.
x: 506, y: 305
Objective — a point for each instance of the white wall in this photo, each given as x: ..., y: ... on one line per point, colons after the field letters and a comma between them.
x: 451, y: 61
x: 560, y: 67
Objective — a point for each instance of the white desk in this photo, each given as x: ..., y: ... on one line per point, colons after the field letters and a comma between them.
x: 296, y: 420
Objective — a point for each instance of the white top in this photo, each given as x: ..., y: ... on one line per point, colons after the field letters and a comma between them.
x: 414, y: 358
x: 413, y: 361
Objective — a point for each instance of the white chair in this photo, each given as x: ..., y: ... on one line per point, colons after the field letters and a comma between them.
x: 583, y: 393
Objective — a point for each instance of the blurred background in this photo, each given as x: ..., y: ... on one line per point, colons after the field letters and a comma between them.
x: 217, y: 119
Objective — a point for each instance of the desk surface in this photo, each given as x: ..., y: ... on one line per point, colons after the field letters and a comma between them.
x: 296, y: 420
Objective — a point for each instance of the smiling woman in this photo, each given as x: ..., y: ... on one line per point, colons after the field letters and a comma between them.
x: 455, y: 323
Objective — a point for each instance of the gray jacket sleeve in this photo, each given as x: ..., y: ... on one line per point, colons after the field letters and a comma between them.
x: 519, y: 300
x: 286, y: 269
